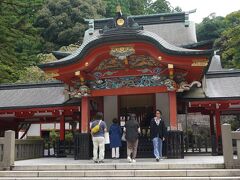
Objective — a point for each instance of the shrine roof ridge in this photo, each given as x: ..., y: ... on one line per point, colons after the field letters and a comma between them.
x: 198, y: 44
x: 224, y: 73
x: 160, y: 18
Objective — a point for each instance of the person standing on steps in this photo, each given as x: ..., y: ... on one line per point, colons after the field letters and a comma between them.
x: 98, y: 138
x: 115, y: 133
x: 132, y: 130
x: 158, y: 134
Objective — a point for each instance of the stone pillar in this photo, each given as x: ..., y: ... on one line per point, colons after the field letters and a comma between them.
x: 85, y: 113
x: 110, y: 105
x: 162, y: 103
x: 9, y: 149
x: 227, y: 145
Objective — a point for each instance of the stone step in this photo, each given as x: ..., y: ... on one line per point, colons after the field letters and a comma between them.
x: 125, y: 173
x: 121, y: 178
x: 116, y: 166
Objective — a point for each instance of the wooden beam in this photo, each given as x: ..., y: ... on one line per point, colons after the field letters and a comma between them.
x: 28, y: 112
x: 128, y: 91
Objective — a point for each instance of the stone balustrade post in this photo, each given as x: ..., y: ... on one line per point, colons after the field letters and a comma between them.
x: 227, y: 145
x: 8, y: 149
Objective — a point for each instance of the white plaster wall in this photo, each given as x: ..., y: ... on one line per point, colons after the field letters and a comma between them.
x: 58, y: 126
x: 162, y: 103
x: 110, y: 109
x: 34, y: 130
x: 47, y: 126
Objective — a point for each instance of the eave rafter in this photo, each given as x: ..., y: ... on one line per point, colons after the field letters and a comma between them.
x: 214, y: 105
x: 39, y: 112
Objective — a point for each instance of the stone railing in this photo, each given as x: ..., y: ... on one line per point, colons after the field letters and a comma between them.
x: 7, y: 144
x: 28, y: 149
x: 11, y: 149
x: 230, y: 159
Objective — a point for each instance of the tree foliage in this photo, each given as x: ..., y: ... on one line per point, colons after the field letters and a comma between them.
x: 226, y: 33
x: 139, y: 7
x: 210, y: 28
x: 19, y: 40
x: 128, y: 7
x: 62, y: 21
x: 159, y: 6
x: 34, y: 74
x: 229, y: 41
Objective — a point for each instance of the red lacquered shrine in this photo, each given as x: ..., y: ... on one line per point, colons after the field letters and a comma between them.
x: 133, y: 64
x: 125, y: 59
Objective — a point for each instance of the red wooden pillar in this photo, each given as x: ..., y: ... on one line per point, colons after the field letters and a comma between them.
x: 218, y: 124
x: 173, y: 109
x: 62, y: 128
x: 85, y: 113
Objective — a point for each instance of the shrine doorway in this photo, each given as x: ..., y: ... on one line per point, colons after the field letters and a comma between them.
x: 141, y: 105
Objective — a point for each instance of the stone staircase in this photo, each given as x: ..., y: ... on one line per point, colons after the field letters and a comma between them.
x: 121, y: 171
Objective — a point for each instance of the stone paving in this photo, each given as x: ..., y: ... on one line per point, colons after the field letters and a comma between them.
x: 68, y: 161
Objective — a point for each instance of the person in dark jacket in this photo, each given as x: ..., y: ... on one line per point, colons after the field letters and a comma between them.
x: 132, y: 130
x: 158, y: 134
x: 115, y: 133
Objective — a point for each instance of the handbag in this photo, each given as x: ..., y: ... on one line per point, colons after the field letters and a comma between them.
x: 123, y: 136
x: 106, y: 138
x: 96, y: 128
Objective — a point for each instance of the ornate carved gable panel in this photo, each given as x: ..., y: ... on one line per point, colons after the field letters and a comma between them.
x: 110, y: 64
x: 142, y: 61
x: 132, y: 62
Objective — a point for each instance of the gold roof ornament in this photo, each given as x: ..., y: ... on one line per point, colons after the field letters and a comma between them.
x: 201, y: 62
x: 122, y: 52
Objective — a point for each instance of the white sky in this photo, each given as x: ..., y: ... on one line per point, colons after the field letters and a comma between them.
x: 206, y: 7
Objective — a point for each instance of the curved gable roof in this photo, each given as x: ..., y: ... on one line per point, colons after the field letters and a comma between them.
x: 124, y: 36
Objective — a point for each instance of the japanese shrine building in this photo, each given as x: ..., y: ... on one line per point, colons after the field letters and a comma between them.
x: 133, y: 64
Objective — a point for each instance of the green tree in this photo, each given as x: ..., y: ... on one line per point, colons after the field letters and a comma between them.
x: 62, y: 21
x: 159, y: 6
x: 229, y: 41
x: 112, y: 4
x: 33, y: 74
x: 19, y: 40
x: 210, y: 28
x: 139, y: 7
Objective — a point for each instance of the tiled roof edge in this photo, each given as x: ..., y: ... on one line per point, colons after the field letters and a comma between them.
x: 31, y: 85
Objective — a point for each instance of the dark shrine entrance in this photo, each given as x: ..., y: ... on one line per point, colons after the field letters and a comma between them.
x: 141, y: 105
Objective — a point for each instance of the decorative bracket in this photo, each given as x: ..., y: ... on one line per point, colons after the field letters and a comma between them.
x: 184, y: 86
